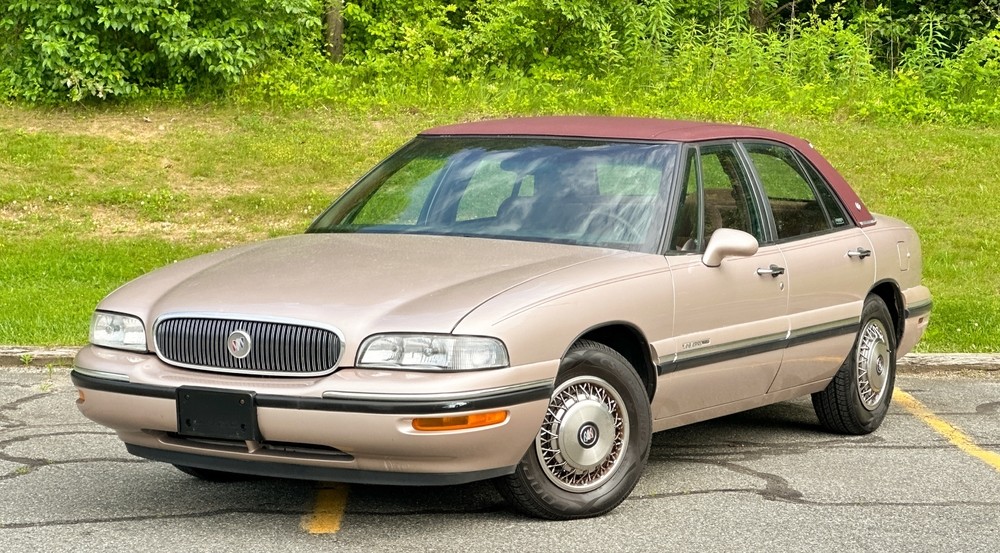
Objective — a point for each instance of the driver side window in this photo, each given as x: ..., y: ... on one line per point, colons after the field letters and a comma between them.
x: 717, y: 195
x: 728, y: 201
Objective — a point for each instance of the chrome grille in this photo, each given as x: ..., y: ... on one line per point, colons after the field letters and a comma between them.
x: 281, y: 349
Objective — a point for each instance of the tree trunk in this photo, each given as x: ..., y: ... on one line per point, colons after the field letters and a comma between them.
x: 757, y: 16
x: 334, y: 30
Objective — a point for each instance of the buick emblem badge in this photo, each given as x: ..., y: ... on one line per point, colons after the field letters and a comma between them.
x: 588, y: 435
x: 238, y: 344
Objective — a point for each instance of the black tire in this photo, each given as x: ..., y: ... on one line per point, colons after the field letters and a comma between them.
x: 593, y: 444
x: 210, y: 475
x: 858, y: 397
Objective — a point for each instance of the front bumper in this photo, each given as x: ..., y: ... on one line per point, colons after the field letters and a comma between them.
x: 338, y: 436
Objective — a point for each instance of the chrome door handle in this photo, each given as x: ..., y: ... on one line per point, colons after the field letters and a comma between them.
x: 860, y: 253
x: 773, y: 270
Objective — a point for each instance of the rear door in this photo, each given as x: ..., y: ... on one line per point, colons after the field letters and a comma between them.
x: 730, y: 321
x: 829, y: 267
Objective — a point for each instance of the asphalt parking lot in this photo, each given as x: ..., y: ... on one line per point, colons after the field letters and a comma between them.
x: 928, y: 480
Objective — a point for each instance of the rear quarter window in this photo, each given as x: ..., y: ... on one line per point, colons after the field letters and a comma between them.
x: 794, y: 204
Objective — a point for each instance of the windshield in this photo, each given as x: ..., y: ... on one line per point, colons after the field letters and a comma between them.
x: 584, y: 192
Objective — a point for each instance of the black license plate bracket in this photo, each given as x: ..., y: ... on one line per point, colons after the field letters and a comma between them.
x: 217, y: 414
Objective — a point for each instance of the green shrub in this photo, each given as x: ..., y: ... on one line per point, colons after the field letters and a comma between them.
x: 537, y: 36
x: 463, y: 38
x: 78, y: 49
x: 729, y: 59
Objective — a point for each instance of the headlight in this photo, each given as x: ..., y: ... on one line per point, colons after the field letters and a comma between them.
x: 117, y: 331
x: 432, y: 352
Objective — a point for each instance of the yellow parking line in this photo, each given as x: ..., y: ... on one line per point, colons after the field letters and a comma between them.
x: 327, y: 514
x: 954, y: 435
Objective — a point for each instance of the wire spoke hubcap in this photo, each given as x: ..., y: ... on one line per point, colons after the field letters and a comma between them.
x: 873, y: 364
x: 584, y: 434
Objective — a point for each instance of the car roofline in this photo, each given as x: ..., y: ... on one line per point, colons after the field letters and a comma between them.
x: 613, y: 128
x: 654, y: 130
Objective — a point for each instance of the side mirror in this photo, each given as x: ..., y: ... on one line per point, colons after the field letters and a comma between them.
x: 727, y: 242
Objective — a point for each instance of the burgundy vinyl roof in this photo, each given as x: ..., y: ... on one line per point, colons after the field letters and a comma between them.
x: 659, y: 130
x: 614, y: 128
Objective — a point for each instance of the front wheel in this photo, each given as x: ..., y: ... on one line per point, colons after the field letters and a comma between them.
x: 857, y: 399
x: 593, y: 442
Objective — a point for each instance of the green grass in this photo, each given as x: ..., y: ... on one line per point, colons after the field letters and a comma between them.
x: 51, y: 284
x: 943, y: 181
x: 92, y: 198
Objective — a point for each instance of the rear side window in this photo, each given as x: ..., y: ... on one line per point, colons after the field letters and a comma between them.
x: 794, y: 204
x: 834, y: 211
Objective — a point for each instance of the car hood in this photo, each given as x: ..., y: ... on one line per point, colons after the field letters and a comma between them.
x: 357, y: 283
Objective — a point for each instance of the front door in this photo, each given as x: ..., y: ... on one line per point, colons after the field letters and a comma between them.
x: 730, y: 321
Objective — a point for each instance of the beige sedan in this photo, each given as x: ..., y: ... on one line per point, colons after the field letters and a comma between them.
x: 524, y: 300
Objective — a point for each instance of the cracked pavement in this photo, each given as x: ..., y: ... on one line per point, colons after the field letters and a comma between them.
x: 768, y: 478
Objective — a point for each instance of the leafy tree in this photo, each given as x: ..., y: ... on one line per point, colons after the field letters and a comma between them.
x: 593, y: 37
x: 106, y: 48
x: 465, y: 37
x: 97, y: 49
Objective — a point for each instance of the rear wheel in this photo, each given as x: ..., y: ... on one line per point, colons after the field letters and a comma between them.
x: 857, y: 399
x: 593, y: 442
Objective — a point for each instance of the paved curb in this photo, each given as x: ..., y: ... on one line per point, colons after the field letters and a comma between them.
x: 926, y: 362
x: 27, y: 356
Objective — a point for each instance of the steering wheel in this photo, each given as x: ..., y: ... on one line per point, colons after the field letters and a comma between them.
x: 600, y: 223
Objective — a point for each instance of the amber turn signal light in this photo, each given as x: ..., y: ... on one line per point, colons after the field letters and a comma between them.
x: 438, y: 424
